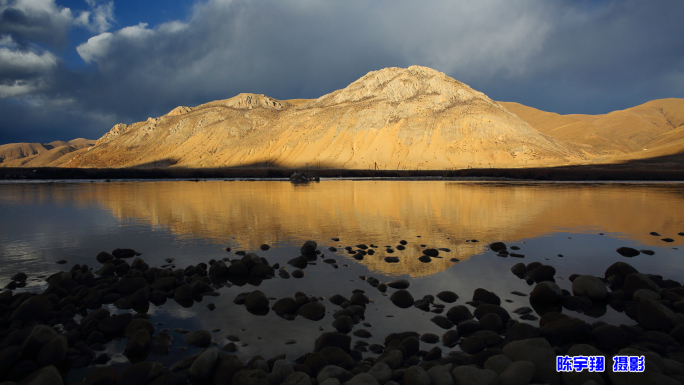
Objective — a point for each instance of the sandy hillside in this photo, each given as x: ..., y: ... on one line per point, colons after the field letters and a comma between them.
x: 415, y: 118
x: 51, y: 154
x: 652, y: 129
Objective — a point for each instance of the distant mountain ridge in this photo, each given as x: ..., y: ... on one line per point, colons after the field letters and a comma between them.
x: 394, y: 118
x: 41, y: 154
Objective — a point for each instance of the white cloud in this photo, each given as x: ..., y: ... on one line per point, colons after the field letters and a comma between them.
x: 98, y: 18
x: 42, y: 21
x: 95, y: 47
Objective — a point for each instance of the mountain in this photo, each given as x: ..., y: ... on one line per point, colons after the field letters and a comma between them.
x: 395, y: 118
x: 41, y: 154
x: 655, y: 128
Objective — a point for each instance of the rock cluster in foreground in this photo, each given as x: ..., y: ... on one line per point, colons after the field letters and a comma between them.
x: 41, y: 339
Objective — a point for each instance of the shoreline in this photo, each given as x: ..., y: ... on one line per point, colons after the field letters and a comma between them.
x: 65, y: 326
x: 594, y: 173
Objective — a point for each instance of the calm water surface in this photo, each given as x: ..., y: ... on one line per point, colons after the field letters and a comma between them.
x: 41, y: 223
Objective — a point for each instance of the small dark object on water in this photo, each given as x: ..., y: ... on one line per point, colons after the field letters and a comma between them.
x: 61, y: 262
x: 425, y: 259
x: 389, y: 250
x: 391, y: 259
x: 211, y: 306
x: 515, y: 248
x: 680, y: 234
x: 444, y: 249
x: 454, y: 260
x: 497, y: 246
x: 647, y: 252
x: 265, y: 247
x: 335, y: 239
x: 228, y: 249
x: 302, y: 178
x: 667, y: 240
x: 431, y: 252
x: 403, y: 242
x: 333, y: 249
x: 516, y: 255
x: 400, y: 247
x: 628, y: 252
x: 654, y: 234
x: 560, y: 255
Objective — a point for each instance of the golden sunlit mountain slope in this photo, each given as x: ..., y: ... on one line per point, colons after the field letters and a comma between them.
x: 395, y: 118
x: 655, y: 125
x: 40, y: 154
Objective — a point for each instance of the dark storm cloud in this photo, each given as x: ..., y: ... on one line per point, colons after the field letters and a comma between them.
x: 566, y: 56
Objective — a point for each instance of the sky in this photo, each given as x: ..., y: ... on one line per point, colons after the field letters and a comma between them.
x: 75, y: 68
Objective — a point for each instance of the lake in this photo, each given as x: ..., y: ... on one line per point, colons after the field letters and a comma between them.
x: 42, y: 223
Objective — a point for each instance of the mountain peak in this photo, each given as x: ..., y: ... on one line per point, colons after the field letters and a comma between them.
x: 395, y: 85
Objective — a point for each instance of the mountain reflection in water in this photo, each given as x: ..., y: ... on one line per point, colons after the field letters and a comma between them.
x: 247, y: 214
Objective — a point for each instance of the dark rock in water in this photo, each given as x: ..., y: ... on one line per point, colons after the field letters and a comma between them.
x: 487, y: 308
x: 473, y: 345
x: 529, y: 317
x: 114, y: 324
x: 62, y: 262
x: 298, y: 273
x: 337, y: 299
x: 522, y: 310
x: 589, y: 286
x: 299, y: 262
x: 628, y: 252
x: 138, y: 324
x: 667, y: 240
x: 424, y: 303
x: 442, y: 322
x: 610, y: 338
x: 497, y: 246
x: 337, y: 340
x: 256, y: 300
x: 308, y: 248
x: 521, y: 331
x: 230, y: 347
x: 468, y: 326
x: 161, y: 343
x: 636, y: 281
x: 454, y: 260
x: 621, y: 269
x: 429, y: 338
x: 389, y: 250
x: 653, y: 315
x: 402, y: 298
x: 199, y: 338
x: 516, y: 255
x: 425, y: 259
x: 400, y: 247
x: 103, y: 375
x: 546, y: 293
x: 459, y: 313
x: 491, y: 321
x: 285, y: 305
x: 447, y: 296
x: 541, y: 273
x: 20, y: 277
x: 312, y: 311
x: 450, y: 338
x: 431, y: 252
x: 225, y: 370
x: 264, y: 247
x: 138, y: 344
x: 565, y: 330
x: 36, y: 308
x: 519, y: 269
x: 363, y: 333
x: 486, y: 296
x: 140, y: 373
x: 391, y: 259
x: 647, y: 252
x: 343, y: 324
x: 654, y: 234
x: 399, y: 284
x: 104, y: 257
x: 444, y: 249
x: 47, y: 375
x: 574, y: 303
x: 681, y: 234
x: 124, y: 253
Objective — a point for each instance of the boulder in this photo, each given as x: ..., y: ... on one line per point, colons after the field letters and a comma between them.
x: 381, y: 372
x: 338, y: 340
x: 653, y: 315
x: 225, y: 369
x: 539, y: 352
x: 199, y: 338
x: 48, y: 375
x: 140, y: 373
x: 311, y: 310
x: 589, y: 286
x: 256, y: 300
x: 416, y: 375
x: 332, y: 371
x: 486, y: 296
x: 399, y: 284
x: 541, y: 273
x: 53, y: 352
x: 440, y: 375
x: 447, y: 296
x: 470, y: 375
x: 402, y: 298
x: 203, y: 367
x: 517, y: 373
x: 546, y: 293
x: 636, y: 281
